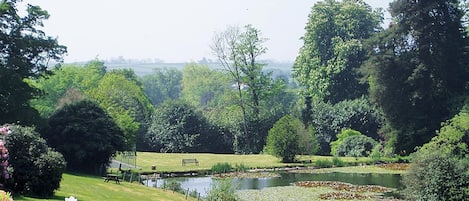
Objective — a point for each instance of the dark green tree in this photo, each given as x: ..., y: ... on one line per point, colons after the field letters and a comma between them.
x: 418, y: 69
x: 25, y: 52
x: 177, y: 127
x: 85, y: 135
x: 285, y: 139
x: 333, y: 49
x: 36, y: 168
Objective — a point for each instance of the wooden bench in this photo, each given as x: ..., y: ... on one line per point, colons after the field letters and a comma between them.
x: 190, y: 160
x: 113, y: 177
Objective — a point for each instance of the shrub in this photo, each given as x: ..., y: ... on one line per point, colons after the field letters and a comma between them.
x: 337, y: 162
x: 241, y: 167
x: 174, y: 186
x: 340, y: 138
x: 37, y: 170
x: 324, y: 163
x: 222, y: 190
x: 439, y: 170
x: 356, y: 146
x: 221, y: 168
x: 283, y: 139
x: 436, y: 176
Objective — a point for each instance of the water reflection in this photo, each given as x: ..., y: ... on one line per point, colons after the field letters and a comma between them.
x: 202, y: 184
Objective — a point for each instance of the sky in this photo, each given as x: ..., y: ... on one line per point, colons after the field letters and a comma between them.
x: 172, y: 30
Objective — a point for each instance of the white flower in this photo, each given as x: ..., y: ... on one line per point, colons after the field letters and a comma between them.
x: 71, y: 198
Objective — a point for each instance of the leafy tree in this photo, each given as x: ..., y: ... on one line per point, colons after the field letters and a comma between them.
x: 308, y: 141
x: 162, y: 84
x: 356, y: 146
x: 65, y: 81
x: 177, y: 127
x: 284, y: 138
x: 345, y: 133
x: 417, y: 69
x: 333, y: 49
x: 85, y: 135
x: 203, y: 87
x: 120, y: 94
x: 238, y: 51
x: 330, y: 119
x: 37, y: 169
x: 25, y: 53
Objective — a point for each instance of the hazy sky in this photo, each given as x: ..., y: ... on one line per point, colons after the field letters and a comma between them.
x: 172, y: 30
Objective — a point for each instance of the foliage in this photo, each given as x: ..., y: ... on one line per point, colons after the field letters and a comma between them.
x: 204, y: 87
x: 221, y: 168
x: 418, y: 67
x: 177, y: 127
x: 222, y: 190
x: 333, y: 49
x: 307, y: 142
x: 85, y: 135
x: 439, y: 169
x: 356, y: 146
x: 37, y: 169
x: 238, y: 51
x: 66, y: 82
x: 283, y: 138
x: 330, y: 119
x: 437, y: 176
x: 340, y: 139
x: 174, y: 186
x: 121, y: 95
x: 323, y: 163
x: 25, y: 53
x: 162, y: 85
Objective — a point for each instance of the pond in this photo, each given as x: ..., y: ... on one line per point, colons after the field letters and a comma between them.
x: 202, y: 184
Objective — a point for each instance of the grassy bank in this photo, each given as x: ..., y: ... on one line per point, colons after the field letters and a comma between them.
x: 91, y: 188
x: 171, y: 162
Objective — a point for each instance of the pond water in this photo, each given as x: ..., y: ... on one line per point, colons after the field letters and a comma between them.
x: 202, y: 184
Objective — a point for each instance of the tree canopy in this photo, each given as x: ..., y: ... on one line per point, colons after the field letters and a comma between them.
x: 418, y: 69
x: 85, y: 135
x: 25, y: 52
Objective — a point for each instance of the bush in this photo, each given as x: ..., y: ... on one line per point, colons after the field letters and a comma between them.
x: 222, y: 190
x: 439, y: 170
x: 330, y: 119
x: 436, y: 176
x: 174, y: 186
x: 340, y: 138
x: 221, y: 168
x: 337, y: 162
x: 356, y: 146
x: 324, y: 163
x: 284, y: 137
x: 37, y: 170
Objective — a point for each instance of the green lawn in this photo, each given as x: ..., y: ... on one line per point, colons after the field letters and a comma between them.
x: 91, y: 188
x: 171, y: 162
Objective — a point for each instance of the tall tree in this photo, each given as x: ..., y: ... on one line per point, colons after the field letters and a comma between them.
x: 333, y: 49
x: 418, y: 68
x: 238, y: 51
x: 25, y: 52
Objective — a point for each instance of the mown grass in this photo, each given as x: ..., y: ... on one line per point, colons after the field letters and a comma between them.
x: 92, y: 188
x: 171, y: 162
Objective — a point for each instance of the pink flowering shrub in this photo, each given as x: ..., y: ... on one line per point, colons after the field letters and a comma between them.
x: 4, y: 174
